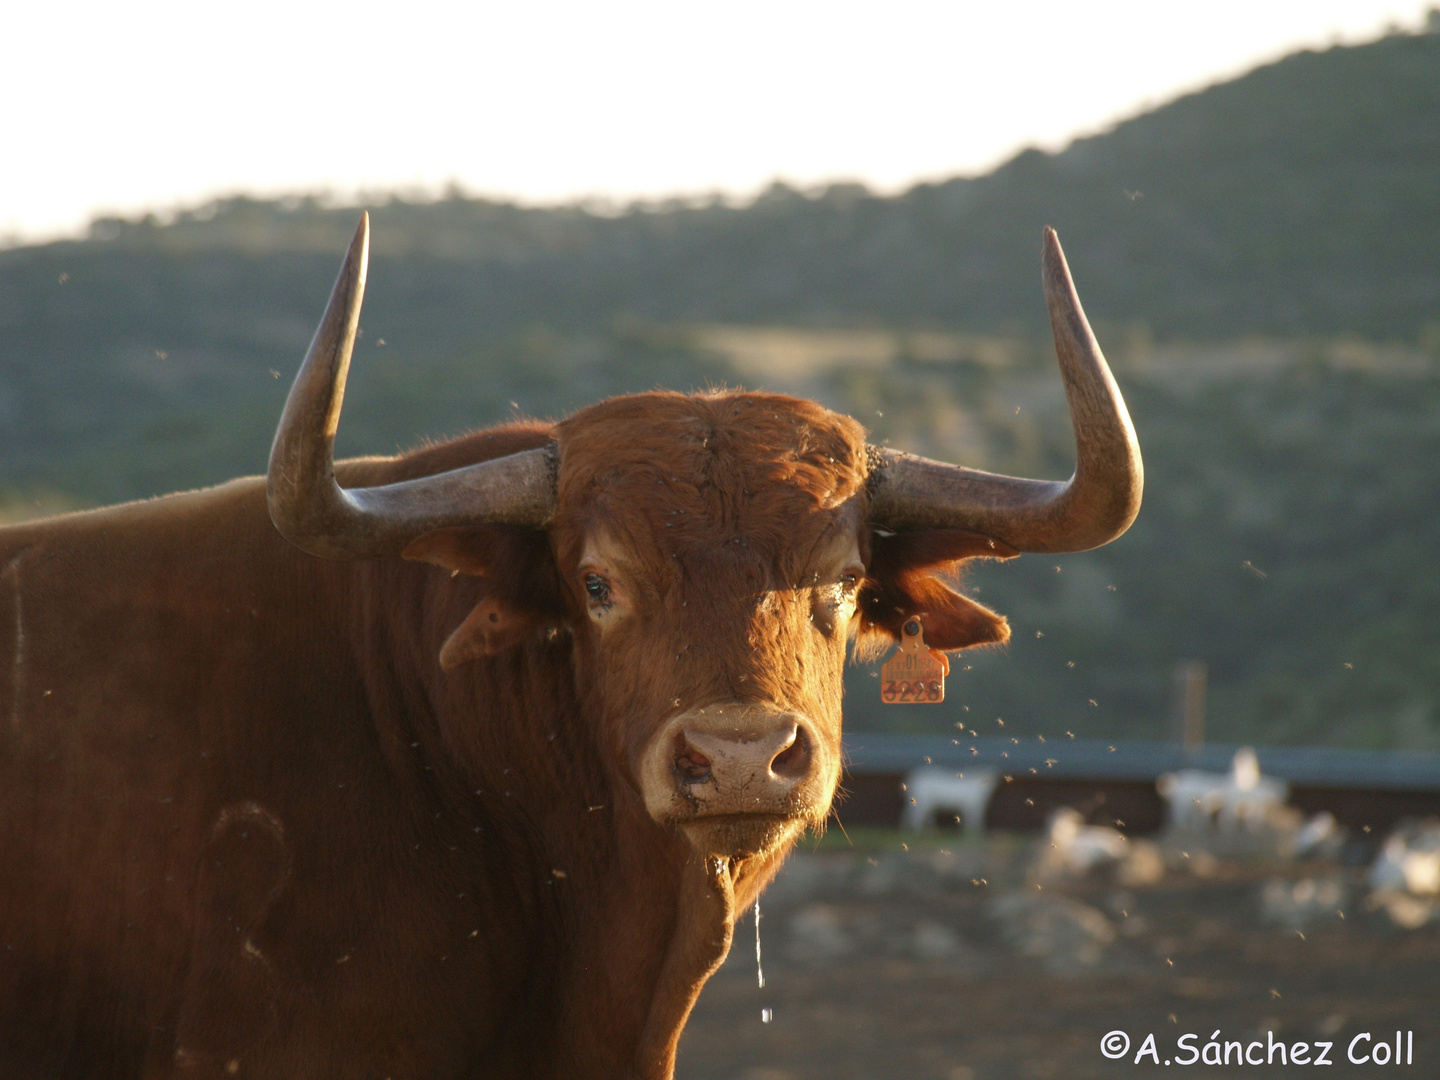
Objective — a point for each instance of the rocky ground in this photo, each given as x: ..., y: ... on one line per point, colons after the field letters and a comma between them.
x: 988, y: 959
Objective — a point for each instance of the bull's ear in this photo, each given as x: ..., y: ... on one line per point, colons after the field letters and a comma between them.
x: 491, y: 627
x: 901, y: 584
x: 461, y: 551
x: 521, y: 592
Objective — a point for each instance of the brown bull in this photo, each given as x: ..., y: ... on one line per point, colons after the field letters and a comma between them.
x: 487, y: 809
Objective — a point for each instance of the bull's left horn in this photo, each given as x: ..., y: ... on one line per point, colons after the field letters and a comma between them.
x: 313, y: 512
x: 1093, y: 507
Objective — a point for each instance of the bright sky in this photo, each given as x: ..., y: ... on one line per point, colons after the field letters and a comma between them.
x: 108, y: 106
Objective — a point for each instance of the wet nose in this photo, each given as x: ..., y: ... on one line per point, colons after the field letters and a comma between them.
x: 735, y: 759
x: 739, y: 777
x: 732, y: 759
x: 770, y: 761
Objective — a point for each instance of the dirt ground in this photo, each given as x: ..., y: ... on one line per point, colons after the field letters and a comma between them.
x: 947, y: 962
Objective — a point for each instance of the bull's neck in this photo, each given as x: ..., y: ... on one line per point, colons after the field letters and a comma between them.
x: 710, y: 892
x: 704, y: 928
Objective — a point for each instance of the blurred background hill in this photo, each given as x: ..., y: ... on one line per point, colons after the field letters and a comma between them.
x: 1261, y: 261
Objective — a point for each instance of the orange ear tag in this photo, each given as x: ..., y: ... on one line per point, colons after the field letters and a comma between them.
x: 915, y: 674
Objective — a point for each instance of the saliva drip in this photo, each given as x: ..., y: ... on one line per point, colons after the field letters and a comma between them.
x: 759, y: 971
x: 766, y: 1014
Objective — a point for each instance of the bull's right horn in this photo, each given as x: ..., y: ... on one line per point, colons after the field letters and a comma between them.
x: 1093, y: 507
x: 313, y: 512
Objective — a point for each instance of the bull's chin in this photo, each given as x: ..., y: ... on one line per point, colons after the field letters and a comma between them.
x: 741, y: 836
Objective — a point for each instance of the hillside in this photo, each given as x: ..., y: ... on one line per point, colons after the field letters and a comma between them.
x: 1262, y: 261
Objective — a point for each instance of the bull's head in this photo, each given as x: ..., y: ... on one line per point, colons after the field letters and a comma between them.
x: 713, y: 556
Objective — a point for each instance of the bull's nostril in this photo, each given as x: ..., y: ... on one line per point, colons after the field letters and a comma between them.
x: 792, y: 762
x: 691, y: 764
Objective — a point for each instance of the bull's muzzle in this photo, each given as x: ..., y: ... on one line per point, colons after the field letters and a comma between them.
x: 738, y: 777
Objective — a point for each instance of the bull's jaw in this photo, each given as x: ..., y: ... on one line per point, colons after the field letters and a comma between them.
x: 740, y: 836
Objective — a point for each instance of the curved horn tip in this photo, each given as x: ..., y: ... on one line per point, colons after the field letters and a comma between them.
x: 1055, y: 269
x: 359, y: 250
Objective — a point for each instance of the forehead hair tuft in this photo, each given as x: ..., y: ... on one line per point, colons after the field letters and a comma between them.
x: 716, y: 440
x: 690, y: 471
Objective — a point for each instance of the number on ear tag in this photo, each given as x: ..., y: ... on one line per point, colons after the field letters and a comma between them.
x: 915, y: 674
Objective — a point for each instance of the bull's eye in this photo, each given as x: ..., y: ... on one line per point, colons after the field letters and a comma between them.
x: 597, y: 587
x: 851, y: 577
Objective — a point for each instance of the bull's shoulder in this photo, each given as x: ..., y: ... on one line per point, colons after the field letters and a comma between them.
x: 242, y: 501
x: 182, y: 511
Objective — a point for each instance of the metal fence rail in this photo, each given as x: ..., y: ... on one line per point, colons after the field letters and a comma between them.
x: 1116, y: 781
